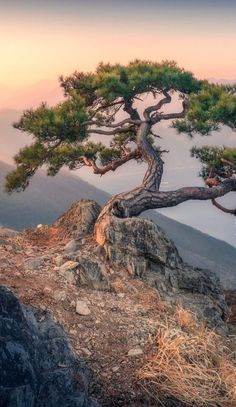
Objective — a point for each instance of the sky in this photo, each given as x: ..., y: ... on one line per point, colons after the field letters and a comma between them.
x: 41, y: 39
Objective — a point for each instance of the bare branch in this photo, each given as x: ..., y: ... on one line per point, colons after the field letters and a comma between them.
x: 107, y: 106
x: 114, y: 164
x: 140, y: 199
x: 171, y: 116
x: 110, y: 125
x: 222, y: 208
x: 110, y: 132
x: 157, y: 106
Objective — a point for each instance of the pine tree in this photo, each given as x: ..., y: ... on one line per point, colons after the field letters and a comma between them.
x: 62, y: 134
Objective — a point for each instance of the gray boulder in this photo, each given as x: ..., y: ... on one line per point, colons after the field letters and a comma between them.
x: 146, y: 251
x: 38, y: 368
x: 86, y: 270
x: 79, y: 220
x: 6, y: 232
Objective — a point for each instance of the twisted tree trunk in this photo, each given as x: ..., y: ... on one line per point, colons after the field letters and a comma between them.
x: 147, y: 195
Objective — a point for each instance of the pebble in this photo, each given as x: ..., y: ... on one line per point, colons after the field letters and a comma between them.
x: 120, y: 295
x: 72, y: 332
x: 135, y: 352
x: 32, y: 264
x: 47, y: 290
x: 69, y: 265
x: 59, y: 260
x: 82, y: 308
x: 86, y: 352
x: 59, y: 295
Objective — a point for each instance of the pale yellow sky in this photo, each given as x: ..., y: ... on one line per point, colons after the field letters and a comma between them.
x: 32, y: 50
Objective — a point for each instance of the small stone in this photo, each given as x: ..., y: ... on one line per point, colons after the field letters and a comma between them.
x: 98, y: 250
x: 69, y: 276
x: 47, y: 290
x: 71, y: 246
x: 40, y: 226
x: 83, y: 241
x: 69, y: 265
x: 72, y: 332
x: 59, y: 260
x: 35, y: 263
x: 86, y: 352
x: 82, y: 308
x: 135, y: 352
x: 60, y: 295
x: 115, y: 369
x: 72, y: 304
x: 120, y: 295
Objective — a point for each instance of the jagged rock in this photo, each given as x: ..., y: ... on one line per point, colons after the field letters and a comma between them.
x: 38, y: 368
x: 35, y: 263
x: 69, y: 265
x: 145, y: 250
x: 6, y: 232
x: 80, y: 219
x: 91, y: 272
x: 71, y: 246
x: 59, y: 260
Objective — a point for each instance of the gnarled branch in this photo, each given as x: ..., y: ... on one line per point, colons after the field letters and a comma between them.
x: 113, y: 165
x: 110, y: 132
x: 172, y: 116
x: 158, y: 105
x: 222, y: 208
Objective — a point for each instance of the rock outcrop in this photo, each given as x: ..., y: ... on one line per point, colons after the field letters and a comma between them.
x: 38, y: 368
x: 111, y: 290
x: 80, y: 219
x: 145, y: 250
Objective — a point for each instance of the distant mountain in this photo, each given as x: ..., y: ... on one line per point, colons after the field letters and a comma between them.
x: 200, y: 249
x: 46, y: 199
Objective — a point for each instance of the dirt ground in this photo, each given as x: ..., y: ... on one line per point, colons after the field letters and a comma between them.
x: 116, y: 334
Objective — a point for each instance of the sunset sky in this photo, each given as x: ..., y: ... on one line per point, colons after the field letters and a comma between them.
x: 41, y: 39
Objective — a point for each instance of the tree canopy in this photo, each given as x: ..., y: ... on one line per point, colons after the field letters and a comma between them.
x: 62, y: 134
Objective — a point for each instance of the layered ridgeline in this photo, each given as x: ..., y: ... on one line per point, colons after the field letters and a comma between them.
x: 47, y: 198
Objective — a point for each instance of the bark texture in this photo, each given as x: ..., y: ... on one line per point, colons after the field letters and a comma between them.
x: 148, y: 194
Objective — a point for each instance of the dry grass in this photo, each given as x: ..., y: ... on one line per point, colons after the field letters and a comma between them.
x: 184, y: 318
x: 192, y: 365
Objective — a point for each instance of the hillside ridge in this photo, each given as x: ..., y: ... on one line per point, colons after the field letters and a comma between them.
x: 113, y: 301
x: 48, y: 198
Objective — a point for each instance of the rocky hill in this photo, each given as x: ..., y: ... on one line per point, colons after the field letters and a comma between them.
x: 130, y: 307
x: 47, y: 198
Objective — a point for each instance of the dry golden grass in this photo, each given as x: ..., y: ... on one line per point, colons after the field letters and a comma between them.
x: 184, y: 318
x: 192, y: 365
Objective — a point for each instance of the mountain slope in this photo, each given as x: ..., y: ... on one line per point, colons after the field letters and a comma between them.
x: 47, y: 198
x: 44, y: 200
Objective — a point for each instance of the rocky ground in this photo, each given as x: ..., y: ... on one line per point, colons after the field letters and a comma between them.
x: 109, y: 316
